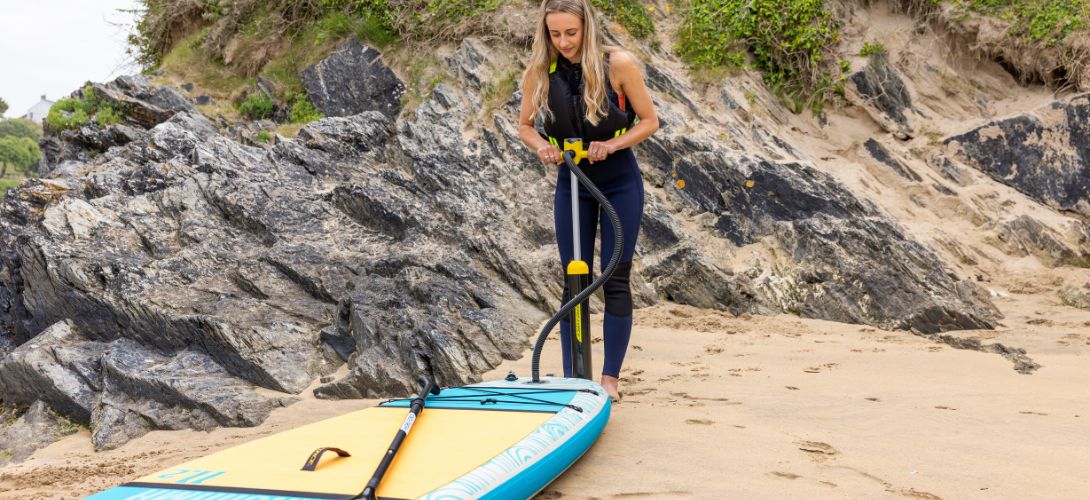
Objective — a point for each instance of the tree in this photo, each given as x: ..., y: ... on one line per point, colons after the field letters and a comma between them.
x: 3, y: 106
x: 21, y: 153
x: 20, y: 128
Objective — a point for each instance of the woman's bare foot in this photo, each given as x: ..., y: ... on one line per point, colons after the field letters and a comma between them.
x: 610, y: 385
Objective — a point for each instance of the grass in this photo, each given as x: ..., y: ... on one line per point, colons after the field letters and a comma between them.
x: 498, y: 92
x: 188, y: 62
x: 1047, y: 21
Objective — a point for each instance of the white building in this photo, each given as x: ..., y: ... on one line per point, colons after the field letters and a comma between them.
x: 38, y: 111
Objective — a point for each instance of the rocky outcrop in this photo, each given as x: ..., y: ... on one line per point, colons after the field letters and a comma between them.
x: 143, y: 391
x: 352, y: 80
x: 882, y: 93
x: 1024, y: 235
x: 1044, y: 154
x: 144, y: 106
x: 1073, y: 296
x: 194, y: 267
x: 37, y: 427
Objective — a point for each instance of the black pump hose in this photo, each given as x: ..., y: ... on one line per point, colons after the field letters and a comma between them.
x: 618, y: 245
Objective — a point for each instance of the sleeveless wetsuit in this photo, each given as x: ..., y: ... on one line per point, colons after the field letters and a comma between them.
x: 618, y: 177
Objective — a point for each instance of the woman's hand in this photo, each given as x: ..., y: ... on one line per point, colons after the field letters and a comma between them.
x: 550, y: 155
x: 598, y: 151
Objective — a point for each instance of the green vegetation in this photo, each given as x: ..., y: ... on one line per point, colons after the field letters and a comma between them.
x: 19, y: 153
x: 76, y: 112
x: 790, y: 41
x: 303, y: 111
x: 1047, y: 21
x: 497, y: 92
x: 258, y: 106
x: 6, y: 184
x: 3, y: 106
x: 264, y: 136
x: 628, y: 13
x: 20, y: 128
x: 871, y: 49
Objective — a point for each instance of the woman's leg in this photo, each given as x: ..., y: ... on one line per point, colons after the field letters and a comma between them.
x: 627, y: 199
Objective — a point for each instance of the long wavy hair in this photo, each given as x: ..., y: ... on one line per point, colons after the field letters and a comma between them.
x: 594, y: 69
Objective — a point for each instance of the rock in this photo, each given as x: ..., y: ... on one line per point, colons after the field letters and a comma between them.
x: 1025, y: 235
x: 146, y: 391
x: 37, y: 428
x: 880, y: 153
x: 880, y: 90
x: 352, y: 80
x: 141, y: 106
x: 59, y: 367
x: 1078, y: 297
x: 1044, y: 154
x: 843, y: 255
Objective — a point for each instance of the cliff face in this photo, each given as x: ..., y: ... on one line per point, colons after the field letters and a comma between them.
x: 162, y: 269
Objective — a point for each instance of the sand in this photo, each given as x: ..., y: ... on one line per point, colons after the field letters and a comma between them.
x: 766, y: 407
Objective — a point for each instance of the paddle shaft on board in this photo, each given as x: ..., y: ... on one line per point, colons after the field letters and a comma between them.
x: 415, y: 407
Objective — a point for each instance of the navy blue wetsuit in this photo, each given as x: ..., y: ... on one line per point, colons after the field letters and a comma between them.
x: 618, y: 177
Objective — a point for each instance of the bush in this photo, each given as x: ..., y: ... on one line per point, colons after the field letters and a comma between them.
x: 872, y: 48
x: 76, y: 112
x: 1040, y: 20
x: 302, y: 111
x: 6, y: 184
x: 628, y: 13
x: 789, y: 41
x: 259, y: 106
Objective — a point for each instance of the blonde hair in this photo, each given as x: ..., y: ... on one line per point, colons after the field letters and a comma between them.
x: 543, y: 55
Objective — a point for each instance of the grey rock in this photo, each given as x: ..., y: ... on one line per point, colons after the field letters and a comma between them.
x: 1025, y: 235
x: 880, y: 153
x: 849, y: 263
x: 881, y: 91
x: 1044, y: 154
x: 36, y: 428
x: 58, y: 367
x: 1078, y: 297
x: 352, y: 80
x: 144, y: 391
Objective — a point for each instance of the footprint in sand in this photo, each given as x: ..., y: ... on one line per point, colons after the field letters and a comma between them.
x: 785, y: 475
x: 819, y: 452
x: 699, y: 421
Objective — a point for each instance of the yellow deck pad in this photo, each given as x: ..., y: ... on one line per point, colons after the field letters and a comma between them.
x: 443, y: 445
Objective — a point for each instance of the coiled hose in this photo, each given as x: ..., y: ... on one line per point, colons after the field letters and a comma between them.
x: 618, y: 245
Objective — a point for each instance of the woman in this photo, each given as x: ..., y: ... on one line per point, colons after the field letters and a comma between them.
x: 580, y: 87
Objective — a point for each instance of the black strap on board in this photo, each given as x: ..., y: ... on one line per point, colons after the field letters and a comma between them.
x: 312, y: 462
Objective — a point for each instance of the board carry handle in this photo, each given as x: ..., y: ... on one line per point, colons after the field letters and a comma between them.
x: 316, y: 456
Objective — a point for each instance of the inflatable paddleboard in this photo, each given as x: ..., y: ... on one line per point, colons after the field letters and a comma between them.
x: 498, y: 439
